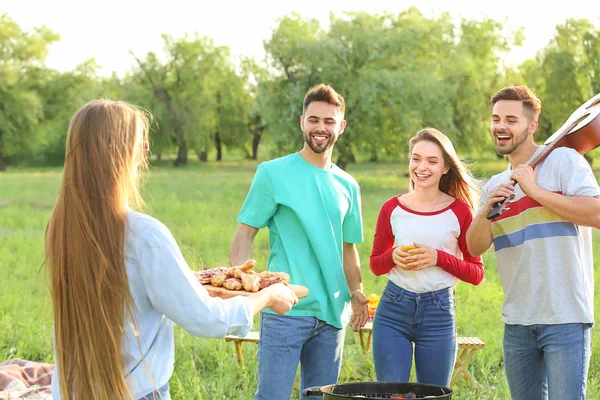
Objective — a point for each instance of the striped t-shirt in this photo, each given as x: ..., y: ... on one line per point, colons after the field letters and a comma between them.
x: 545, y: 262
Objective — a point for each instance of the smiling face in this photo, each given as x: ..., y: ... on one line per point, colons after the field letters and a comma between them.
x: 512, y: 125
x: 427, y: 164
x: 321, y: 125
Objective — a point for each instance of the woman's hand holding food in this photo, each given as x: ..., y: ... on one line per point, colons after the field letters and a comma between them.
x: 414, y: 258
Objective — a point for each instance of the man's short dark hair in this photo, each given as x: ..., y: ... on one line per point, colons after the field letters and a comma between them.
x: 520, y: 93
x: 326, y: 94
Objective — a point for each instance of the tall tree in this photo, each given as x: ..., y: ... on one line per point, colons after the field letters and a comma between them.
x: 199, y: 99
x: 257, y: 81
x: 565, y: 73
x: 398, y: 73
x: 62, y: 93
x: 20, y: 106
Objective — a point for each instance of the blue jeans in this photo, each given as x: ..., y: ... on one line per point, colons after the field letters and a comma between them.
x: 547, y: 361
x: 285, y: 341
x: 160, y: 394
x: 425, y: 319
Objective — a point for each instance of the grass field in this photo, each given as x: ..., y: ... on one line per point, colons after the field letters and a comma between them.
x: 200, y: 204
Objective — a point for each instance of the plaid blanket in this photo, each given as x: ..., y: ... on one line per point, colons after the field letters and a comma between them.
x: 22, y: 379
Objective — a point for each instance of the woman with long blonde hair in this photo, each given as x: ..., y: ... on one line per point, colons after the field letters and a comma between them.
x: 420, y: 243
x: 118, y: 278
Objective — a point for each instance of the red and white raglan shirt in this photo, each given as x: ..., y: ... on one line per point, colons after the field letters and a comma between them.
x: 444, y: 230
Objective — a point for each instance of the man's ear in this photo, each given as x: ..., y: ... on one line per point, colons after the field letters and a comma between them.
x: 533, y: 126
x: 302, y: 123
x: 342, y: 126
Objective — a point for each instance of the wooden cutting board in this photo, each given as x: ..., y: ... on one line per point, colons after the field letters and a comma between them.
x: 215, y: 291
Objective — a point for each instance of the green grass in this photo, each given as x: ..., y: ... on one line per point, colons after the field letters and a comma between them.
x: 200, y: 204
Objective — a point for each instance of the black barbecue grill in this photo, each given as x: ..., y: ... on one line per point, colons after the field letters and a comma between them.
x: 380, y: 390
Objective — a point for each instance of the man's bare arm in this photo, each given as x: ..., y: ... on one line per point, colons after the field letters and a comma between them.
x: 479, y: 234
x: 580, y: 210
x: 360, y: 311
x: 241, y: 245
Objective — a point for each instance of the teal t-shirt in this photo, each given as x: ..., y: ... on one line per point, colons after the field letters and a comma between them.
x: 310, y: 212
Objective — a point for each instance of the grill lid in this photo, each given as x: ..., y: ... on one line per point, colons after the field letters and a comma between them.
x: 381, y: 390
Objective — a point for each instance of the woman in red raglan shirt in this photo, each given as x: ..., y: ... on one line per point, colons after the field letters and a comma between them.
x: 417, y: 305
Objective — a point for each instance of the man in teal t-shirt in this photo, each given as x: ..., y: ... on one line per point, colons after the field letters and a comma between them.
x: 313, y: 212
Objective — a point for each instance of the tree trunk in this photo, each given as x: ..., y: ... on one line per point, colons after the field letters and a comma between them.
x: 178, y: 130
x: 219, y: 146
x: 374, y: 156
x: 352, y: 157
x: 159, y: 157
x: 182, y: 155
x: 247, y: 155
x: 255, y: 142
x: 2, y: 163
x: 203, y: 156
x: 342, y: 162
x: 345, y: 156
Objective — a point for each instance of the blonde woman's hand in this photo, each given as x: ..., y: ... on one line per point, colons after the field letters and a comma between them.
x: 421, y: 257
x: 281, y: 298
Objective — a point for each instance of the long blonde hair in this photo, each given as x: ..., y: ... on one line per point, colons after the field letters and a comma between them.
x: 458, y: 182
x: 84, y: 248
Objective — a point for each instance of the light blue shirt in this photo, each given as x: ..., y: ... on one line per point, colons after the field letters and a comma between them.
x: 164, y: 290
x: 310, y: 213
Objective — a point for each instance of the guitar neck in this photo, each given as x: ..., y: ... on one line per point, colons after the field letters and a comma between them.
x: 541, y: 156
x: 551, y: 146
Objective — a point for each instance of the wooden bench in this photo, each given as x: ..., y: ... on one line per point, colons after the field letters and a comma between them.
x: 239, y: 341
x: 251, y: 337
x: 466, y: 350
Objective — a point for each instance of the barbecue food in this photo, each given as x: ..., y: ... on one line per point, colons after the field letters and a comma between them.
x: 265, y: 282
x: 232, y: 284
x: 251, y: 282
x: 205, y: 275
x: 218, y: 279
x: 237, y: 271
x: 282, y: 275
x: 241, y: 277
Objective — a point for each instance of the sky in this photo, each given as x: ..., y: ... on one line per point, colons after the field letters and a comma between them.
x: 109, y: 30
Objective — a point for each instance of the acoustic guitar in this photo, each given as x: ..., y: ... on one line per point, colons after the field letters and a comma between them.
x: 581, y: 132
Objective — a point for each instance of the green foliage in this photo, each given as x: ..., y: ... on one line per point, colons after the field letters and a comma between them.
x: 21, y: 109
x: 565, y: 73
x: 399, y: 72
x: 196, y: 96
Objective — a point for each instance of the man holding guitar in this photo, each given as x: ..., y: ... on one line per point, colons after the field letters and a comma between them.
x: 543, y: 247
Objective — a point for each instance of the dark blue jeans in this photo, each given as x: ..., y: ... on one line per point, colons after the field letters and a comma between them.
x: 427, y: 320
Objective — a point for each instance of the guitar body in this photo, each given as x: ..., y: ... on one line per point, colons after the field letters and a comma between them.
x: 585, y: 134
